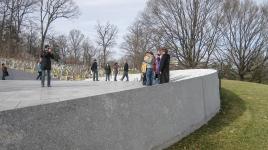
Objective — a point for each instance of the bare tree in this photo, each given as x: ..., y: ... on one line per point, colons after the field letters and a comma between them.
x: 31, y: 39
x: 190, y: 28
x: 76, y: 39
x: 137, y: 42
x: 62, y: 43
x: 106, y: 38
x: 14, y: 14
x: 23, y: 8
x: 89, y: 51
x: 51, y: 10
x: 245, y: 34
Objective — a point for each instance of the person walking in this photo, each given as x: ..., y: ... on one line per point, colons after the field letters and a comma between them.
x: 39, y: 70
x: 125, y: 74
x: 116, y: 67
x: 107, y: 72
x: 149, y: 60
x: 94, y: 69
x: 46, y: 57
x: 4, y: 71
x: 164, y: 66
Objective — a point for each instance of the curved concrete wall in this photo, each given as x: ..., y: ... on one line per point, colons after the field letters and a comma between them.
x: 148, y: 118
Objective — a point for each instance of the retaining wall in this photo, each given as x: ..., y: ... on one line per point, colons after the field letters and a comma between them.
x: 149, y: 118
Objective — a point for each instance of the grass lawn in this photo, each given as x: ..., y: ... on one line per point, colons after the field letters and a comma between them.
x: 242, y: 123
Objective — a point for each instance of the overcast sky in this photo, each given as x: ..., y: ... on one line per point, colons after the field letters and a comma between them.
x: 122, y: 13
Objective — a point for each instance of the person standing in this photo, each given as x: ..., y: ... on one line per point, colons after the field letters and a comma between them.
x: 4, y: 71
x: 94, y: 69
x: 149, y: 60
x: 46, y: 57
x: 143, y: 72
x: 125, y: 74
x: 157, y: 65
x: 116, y: 66
x: 164, y: 66
x: 107, y: 72
x: 39, y: 70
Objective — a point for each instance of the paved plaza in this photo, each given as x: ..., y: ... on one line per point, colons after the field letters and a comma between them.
x: 19, y: 94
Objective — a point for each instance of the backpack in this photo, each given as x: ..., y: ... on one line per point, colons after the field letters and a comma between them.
x: 143, y: 67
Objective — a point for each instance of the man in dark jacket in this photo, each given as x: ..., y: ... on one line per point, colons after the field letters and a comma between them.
x: 94, y: 69
x: 164, y: 66
x: 46, y: 57
x: 4, y: 71
x: 116, y: 66
x: 125, y: 72
x: 107, y: 72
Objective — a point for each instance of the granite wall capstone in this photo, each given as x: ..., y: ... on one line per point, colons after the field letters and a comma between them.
x: 149, y: 118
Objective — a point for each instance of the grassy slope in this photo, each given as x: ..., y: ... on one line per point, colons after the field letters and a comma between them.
x: 242, y: 123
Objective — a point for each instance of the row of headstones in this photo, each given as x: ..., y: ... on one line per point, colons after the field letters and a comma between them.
x: 61, y: 72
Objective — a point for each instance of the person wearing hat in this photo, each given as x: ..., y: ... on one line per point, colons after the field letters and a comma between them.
x: 94, y: 69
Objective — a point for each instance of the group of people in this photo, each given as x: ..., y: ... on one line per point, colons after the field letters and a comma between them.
x: 108, y: 71
x: 155, y: 69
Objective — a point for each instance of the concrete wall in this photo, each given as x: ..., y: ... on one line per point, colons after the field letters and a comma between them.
x: 149, y: 118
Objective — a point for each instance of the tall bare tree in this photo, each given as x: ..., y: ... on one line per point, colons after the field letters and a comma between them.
x: 14, y: 14
x: 76, y: 39
x: 190, y: 28
x: 137, y: 42
x: 89, y: 51
x: 106, y: 38
x: 51, y: 10
x: 245, y: 34
x: 62, y: 43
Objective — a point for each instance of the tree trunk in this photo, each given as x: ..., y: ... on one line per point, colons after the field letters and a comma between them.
x: 241, y: 77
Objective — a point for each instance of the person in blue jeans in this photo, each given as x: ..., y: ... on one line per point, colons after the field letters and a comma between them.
x: 46, y: 57
x: 39, y: 70
x: 94, y: 69
x: 149, y: 60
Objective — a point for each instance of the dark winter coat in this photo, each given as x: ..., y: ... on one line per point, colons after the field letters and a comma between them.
x: 164, y: 68
x: 107, y: 69
x: 126, y: 67
x: 46, y: 60
x: 116, y: 67
x: 5, y: 72
x: 94, y: 67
